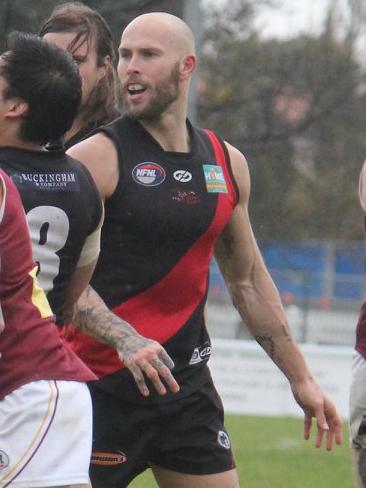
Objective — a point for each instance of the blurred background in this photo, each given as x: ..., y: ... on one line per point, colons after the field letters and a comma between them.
x: 284, y: 81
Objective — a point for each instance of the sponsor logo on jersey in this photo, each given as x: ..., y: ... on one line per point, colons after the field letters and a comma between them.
x: 200, y: 353
x: 148, y: 174
x: 215, y: 179
x: 182, y: 175
x: 46, y: 181
x: 4, y: 460
x: 185, y: 197
x: 223, y: 439
x: 108, y: 458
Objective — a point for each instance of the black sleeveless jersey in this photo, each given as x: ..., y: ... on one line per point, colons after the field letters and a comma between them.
x: 160, y: 227
x: 63, y: 207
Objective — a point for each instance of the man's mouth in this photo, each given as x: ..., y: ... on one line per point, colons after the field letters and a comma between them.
x: 135, y: 88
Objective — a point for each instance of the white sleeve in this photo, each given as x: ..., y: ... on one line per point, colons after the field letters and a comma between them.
x: 91, y: 248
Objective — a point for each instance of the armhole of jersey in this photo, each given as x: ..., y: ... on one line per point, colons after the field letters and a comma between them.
x: 223, y: 158
x: 2, y: 206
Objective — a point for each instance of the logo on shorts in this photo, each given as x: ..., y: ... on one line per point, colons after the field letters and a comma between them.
x: 148, y: 174
x: 200, y: 353
x: 223, y: 439
x: 108, y: 458
x: 182, y: 175
x: 4, y: 460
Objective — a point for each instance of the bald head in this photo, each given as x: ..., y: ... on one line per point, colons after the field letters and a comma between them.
x: 156, y: 62
x: 165, y: 28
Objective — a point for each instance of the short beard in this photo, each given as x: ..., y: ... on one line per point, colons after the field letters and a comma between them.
x: 166, y: 93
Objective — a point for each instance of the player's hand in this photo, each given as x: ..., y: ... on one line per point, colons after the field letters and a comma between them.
x: 316, y: 404
x: 146, y: 358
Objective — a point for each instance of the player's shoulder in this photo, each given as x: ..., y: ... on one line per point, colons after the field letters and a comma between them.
x: 238, y: 161
x: 91, y: 147
x: 99, y: 155
x: 84, y: 176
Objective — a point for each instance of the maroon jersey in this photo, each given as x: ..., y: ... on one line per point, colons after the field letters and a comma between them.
x: 30, y: 346
x: 160, y: 228
x: 361, y: 325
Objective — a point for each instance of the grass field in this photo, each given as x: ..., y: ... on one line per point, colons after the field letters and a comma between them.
x: 271, y: 453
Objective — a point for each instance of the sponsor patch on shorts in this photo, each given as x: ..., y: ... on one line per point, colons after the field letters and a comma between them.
x: 201, y: 353
x: 108, y: 458
x: 215, y: 179
x: 4, y: 460
x: 223, y: 439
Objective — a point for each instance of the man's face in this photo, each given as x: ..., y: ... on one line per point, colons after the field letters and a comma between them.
x: 149, y: 73
x: 85, y: 55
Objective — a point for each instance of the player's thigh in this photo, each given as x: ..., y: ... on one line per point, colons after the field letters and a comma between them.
x: 193, y: 439
x: 359, y: 463
x: 357, y: 424
x: 46, y: 429
x: 168, y: 479
x: 122, y: 440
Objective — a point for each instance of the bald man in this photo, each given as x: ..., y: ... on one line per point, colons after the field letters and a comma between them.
x: 175, y: 195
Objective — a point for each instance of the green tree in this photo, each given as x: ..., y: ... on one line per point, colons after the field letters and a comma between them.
x: 295, y: 109
x: 27, y: 16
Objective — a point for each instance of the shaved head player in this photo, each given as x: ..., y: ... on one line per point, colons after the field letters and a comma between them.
x: 160, y: 233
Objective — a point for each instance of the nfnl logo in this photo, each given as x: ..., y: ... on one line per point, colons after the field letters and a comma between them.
x: 148, y: 174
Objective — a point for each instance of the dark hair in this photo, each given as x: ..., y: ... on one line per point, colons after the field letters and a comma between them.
x: 47, y: 79
x: 89, y: 26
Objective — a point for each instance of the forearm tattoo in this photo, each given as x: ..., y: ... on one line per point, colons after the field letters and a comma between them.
x: 267, y: 343
x: 94, y: 318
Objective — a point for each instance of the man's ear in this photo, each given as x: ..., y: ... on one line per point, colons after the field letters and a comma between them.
x: 103, y: 69
x: 188, y: 66
x: 17, y: 108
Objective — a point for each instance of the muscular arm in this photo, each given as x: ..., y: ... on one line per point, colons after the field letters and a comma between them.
x: 258, y: 302
x: 78, y: 283
x: 142, y: 356
x: 83, y: 272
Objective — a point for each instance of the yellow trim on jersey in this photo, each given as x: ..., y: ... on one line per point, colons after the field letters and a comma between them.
x: 39, y: 298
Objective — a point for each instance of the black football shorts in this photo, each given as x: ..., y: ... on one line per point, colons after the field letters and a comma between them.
x: 186, y: 436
